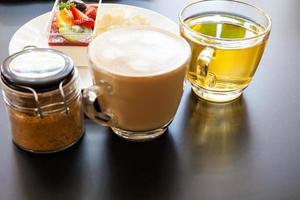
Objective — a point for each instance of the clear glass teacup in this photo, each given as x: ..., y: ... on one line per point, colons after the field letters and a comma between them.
x: 138, y: 80
x: 228, y: 39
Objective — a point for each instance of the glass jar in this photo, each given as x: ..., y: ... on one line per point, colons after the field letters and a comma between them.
x: 42, y: 93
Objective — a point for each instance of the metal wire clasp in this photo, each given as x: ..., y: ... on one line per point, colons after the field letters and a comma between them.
x: 37, y: 102
x: 63, y: 96
x: 29, y: 47
x: 36, y: 98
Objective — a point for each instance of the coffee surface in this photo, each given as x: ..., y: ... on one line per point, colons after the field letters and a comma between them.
x: 138, y: 51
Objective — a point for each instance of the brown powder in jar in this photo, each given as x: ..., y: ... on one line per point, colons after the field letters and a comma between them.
x: 53, y: 132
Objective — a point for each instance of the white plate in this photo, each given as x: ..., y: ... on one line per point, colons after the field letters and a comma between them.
x: 32, y: 33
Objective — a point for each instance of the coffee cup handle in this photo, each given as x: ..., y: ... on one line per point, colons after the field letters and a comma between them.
x: 203, y: 62
x: 90, y: 95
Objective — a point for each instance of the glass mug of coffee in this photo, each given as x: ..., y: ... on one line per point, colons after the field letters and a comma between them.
x: 227, y: 39
x: 138, y: 80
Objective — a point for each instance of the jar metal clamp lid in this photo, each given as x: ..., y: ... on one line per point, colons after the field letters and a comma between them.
x: 36, y: 71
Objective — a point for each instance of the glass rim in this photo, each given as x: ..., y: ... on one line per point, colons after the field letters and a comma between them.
x: 267, y: 29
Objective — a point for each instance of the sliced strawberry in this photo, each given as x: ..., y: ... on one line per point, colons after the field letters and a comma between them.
x: 77, y: 14
x: 91, y: 12
x: 87, y: 22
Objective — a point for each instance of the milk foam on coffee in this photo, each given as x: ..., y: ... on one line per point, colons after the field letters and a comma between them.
x: 138, y: 52
x: 145, y: 68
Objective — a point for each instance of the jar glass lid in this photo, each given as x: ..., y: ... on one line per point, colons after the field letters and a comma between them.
x: 40, y: 69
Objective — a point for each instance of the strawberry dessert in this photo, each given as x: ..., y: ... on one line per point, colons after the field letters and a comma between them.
x: 72, y: 23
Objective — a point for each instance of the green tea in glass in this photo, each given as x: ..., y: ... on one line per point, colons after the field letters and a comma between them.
x: 228, y: 39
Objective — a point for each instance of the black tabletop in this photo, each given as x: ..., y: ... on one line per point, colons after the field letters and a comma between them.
x: 247, y: 149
